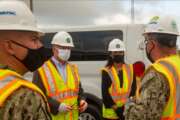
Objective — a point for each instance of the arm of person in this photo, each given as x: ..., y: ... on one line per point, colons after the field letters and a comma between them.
x: 133, y: 87
x: 154, y: 94
x: 81, y: 95
x: 25, y: 104
x: 105, y: 85
x: 82, y: 99
x: 54, y: 104
x: 107, y: 99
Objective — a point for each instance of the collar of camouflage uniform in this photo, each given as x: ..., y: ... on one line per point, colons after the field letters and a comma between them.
x: 5, y: 67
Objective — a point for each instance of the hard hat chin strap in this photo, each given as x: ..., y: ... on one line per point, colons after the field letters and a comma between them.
x: 19, y: 44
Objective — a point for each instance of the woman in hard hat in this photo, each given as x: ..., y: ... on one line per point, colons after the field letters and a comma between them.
x: 118, y: 82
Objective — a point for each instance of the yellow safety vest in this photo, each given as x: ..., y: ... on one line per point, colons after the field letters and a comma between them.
x: 10, y: 81
x: 170, y: 68
x: 66, y: 92
x: 118, y: 94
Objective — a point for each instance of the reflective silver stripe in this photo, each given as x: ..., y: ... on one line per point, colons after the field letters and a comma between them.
x: 6, y: 80
x: 128, y: 68
x: 177, y: 98
x: 73, y: 93
x: 171, y: 69
x: 49, y: 78
x: 60, y: 96
x: 113, y: 81
x: 65, y: 95
x: 75, y: 77
x: 120, y: 97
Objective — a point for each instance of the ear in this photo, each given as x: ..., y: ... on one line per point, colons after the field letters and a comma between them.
x: 55, y: 51
x: 152, y: 44
x: 8, y: 47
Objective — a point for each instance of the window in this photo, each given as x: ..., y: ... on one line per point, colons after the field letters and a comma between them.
x: 46, y: 39
x: 89, y: 45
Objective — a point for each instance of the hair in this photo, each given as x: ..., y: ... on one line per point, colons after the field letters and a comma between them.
x: 164, y: 40
x: 110, y: 61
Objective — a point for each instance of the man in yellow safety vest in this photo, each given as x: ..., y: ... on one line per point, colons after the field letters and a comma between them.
x: 20, y: 51
x: 60, y: 81
x: 159, y: 96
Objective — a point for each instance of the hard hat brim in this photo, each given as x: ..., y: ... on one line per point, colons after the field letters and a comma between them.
x: 171, y: 33
x: 22, y: 28
x: 64, y: 45
x: 114, y: 50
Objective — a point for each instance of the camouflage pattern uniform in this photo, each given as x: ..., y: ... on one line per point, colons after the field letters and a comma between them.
x: 154, y: 94
x: 24, y: 104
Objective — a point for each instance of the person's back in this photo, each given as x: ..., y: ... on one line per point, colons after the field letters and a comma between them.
x: 159, y: 92
x: 20, y: 51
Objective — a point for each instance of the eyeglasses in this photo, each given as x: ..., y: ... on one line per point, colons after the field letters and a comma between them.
x: 146, y: 41
x: 142, y: 44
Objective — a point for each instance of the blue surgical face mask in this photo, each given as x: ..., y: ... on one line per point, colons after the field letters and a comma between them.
x: 64, y: 54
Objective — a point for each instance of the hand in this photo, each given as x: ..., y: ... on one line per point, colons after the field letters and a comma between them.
x: 114, y: 107
x: 64, y: 108
x: 132, y: 99
x: 83, y: 106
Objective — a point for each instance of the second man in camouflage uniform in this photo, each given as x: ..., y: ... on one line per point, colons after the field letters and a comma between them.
x: 159, y: 85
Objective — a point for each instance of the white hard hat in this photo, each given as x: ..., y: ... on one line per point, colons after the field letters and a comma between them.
x: 116, y: 45
x: 15, y: 15
x: 63, y: 39
x: 164, y: 24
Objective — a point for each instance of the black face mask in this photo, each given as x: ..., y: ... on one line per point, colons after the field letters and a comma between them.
x: 149, y: 54
x: 35, y: 57
x: 118, y: 58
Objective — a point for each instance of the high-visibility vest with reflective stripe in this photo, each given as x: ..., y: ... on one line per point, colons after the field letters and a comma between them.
x: 170, y: 68
x: 66, y: 92
x: 118, y: 94
x: 10, y: 81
